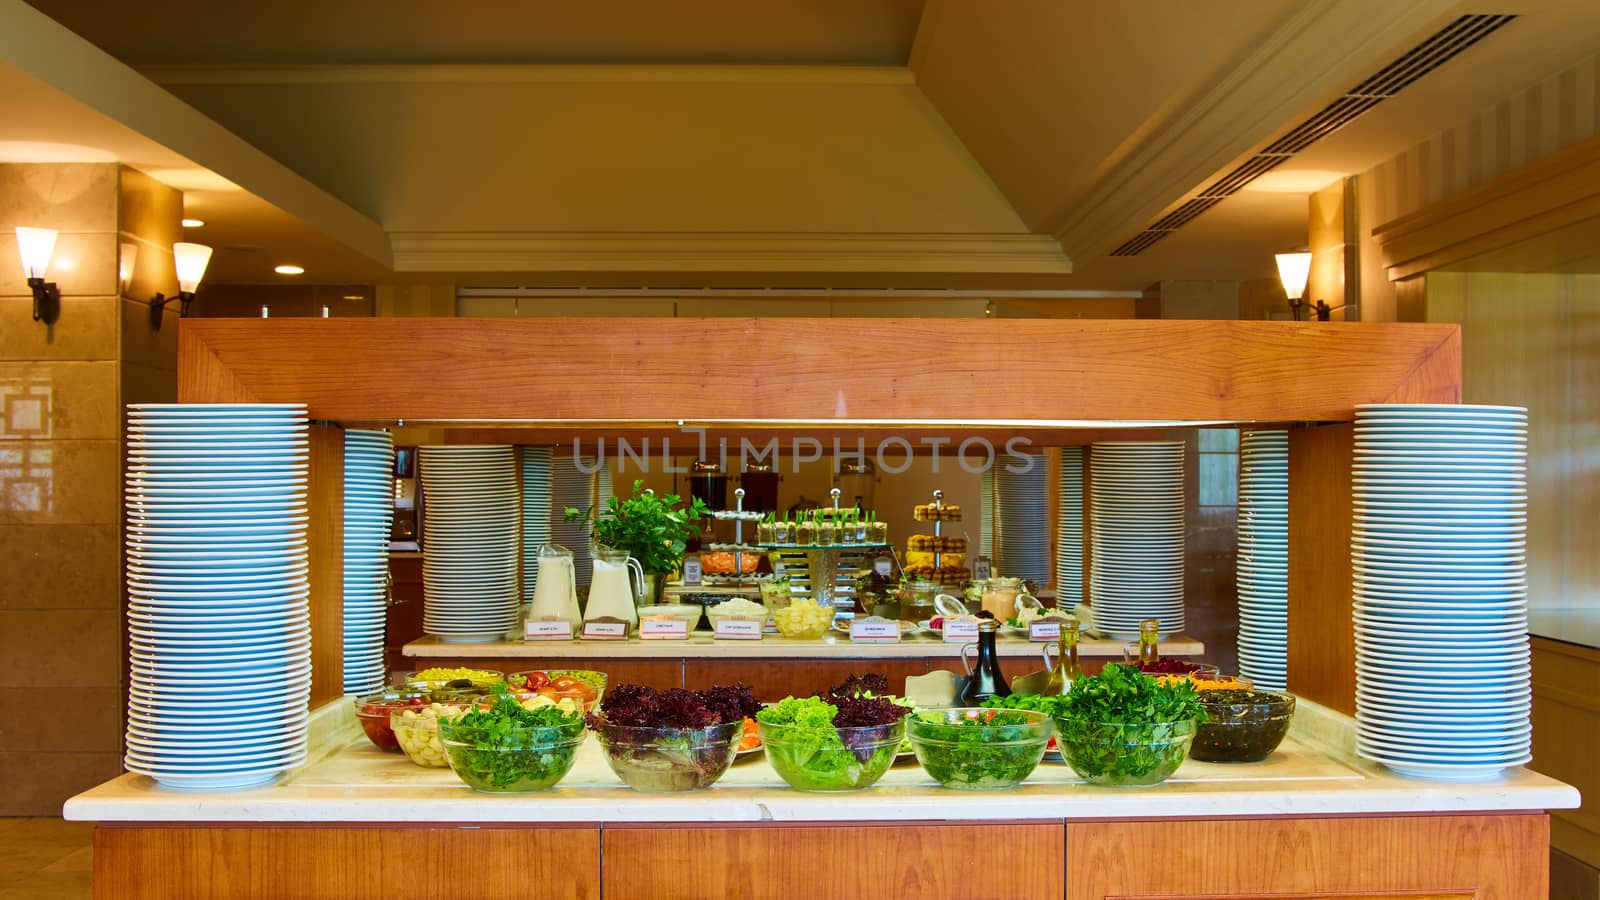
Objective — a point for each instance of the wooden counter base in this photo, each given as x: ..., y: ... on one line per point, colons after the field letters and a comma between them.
x: 1488, y: 857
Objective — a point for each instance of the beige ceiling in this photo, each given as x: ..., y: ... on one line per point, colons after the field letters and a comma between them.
x: 249, y: 235
x: 534, y: 130
x: 1045, y: 93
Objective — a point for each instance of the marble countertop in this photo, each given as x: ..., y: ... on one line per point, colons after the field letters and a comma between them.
x: 1312, y: 774
x: 772, y: 646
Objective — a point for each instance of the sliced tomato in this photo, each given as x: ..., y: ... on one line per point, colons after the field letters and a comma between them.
x: 574, y: 688
x: 752, y: 735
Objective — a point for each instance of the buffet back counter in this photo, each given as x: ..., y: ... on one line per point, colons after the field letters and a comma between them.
x: 1312, y: 820
x: 775, y: 666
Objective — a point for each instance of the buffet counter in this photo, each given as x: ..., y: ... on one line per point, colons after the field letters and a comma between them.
x: 775, y: 666
x: 1312, y: 773
x: 1313, y: 787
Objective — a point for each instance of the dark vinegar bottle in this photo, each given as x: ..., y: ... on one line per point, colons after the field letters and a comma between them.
x: 985, y: 680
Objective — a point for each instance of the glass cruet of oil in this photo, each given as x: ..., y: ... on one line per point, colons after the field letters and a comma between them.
x: 1065, y: 669
x: 1149, y: 634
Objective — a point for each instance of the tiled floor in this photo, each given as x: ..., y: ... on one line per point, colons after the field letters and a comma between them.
x: 45, y: 859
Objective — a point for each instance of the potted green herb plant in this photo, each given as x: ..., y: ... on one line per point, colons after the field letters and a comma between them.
x: 654, y: 528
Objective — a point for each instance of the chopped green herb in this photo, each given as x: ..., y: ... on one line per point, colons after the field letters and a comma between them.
x: 509, y: 747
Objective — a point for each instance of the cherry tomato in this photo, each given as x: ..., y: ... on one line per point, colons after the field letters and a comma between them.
x: 537, y: 680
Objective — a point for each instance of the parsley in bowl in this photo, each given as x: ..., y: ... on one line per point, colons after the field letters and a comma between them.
x: 512, y: 747
x: 1125, y: 728
x: 979, y: 749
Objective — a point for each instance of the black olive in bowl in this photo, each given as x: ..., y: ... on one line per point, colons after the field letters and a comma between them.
x: 1244, y: 725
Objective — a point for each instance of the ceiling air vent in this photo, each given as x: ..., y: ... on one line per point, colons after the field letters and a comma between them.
x: 1432, y: 53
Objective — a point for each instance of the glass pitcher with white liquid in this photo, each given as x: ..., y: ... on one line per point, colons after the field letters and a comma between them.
x: 555, y: 591
x: 617, y: 586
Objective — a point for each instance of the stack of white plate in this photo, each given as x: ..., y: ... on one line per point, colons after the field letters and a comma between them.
x: 602, y: 486
x: 535, y: 513
x: 218, y: 623
x: 572, y: 485
x: 469, y: 548
x: 1136, y: 535
x: 368, y: 515
x: 1439, y: 547
x: 1022, y: 508
x: 1263, y: 559
x: 1069, y: 530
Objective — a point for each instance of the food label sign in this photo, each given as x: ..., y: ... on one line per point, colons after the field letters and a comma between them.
x: 663, y: 628
x: 1045, y: 629
x: 963, y: 630
x: 605, y: 628
x: 548, y: 628
x: 874, y: 630
x: 737, y: 628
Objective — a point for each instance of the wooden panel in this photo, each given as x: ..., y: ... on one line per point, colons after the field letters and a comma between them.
x: 1321, y: 634
x: 325, y: 537
x: 925, y: 861
x: 776, y: 679
x: 1530, y: 340
x: 1556, y: 190
x: 346, y: 863
x: 1411, y: 299
x: 1479, y: 857
x: 1566, y: 721
x: 403, y: 622
x: 438, y: 369
x: 563, y: 437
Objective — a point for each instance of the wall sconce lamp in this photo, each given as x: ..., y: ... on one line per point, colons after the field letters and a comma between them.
x: 190, y: 260
x: 1294, y: 269
x: 36, y: 245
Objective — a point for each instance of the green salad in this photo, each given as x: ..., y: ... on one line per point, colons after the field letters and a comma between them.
x: 979, y: 749
x: 1123, y: 727
x: 809, y: 747
x: 510, y: 747
x: 1049, y: 704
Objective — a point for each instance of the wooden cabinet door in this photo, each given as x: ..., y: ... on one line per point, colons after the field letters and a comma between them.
x: 1502, y: 857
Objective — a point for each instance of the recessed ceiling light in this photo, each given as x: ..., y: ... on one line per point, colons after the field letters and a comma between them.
x: 354, y: 297
x: 289, y: 270
x: 194, y: 223
x: 1294, y: 181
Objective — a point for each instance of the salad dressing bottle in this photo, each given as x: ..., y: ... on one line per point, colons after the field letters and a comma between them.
x: 1149, y: 632
x: 1066, y: 669
x: 985, y: 680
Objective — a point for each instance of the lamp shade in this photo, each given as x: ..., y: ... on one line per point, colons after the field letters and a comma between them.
x: 191, y: 260
x: 1293, y: 269
x: 36, y: 245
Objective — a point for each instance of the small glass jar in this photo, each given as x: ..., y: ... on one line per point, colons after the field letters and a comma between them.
x: 827, y: 532
x: 880, y: 532
x: 1149, y: 634
x: 782, y: 531
x: 764, y: 531
x: 805, y: 532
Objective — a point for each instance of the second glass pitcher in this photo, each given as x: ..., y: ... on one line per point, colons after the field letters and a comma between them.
x: 617, y: 586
